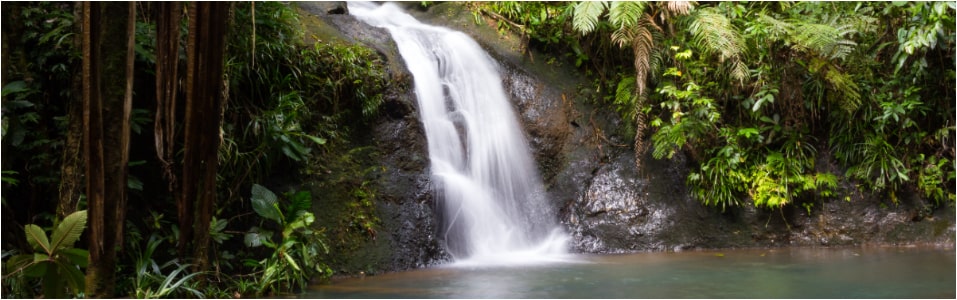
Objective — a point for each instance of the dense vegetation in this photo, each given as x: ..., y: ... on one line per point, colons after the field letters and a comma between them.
x: 766, y: 97
x: 778, y: 103
x: 288, y: 113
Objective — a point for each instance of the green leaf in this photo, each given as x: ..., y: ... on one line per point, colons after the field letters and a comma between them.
x: 76, y: 256
x: 13, y: 87
x: 36, y: 269
x: 301, y: 200
x: 69, y: 231
x: 265, y: 203
x: 18, y: 263
x: 317, y: 140
x: 74, y: 278
x: 748, y: 132
x: 586, y: 15
x: 292, y: 262
x: 134, y: 183
x: 625, y: 13
x: 37, y: 238
x: 289, y: 153
x: 258, y: 237
x: 51, y: 283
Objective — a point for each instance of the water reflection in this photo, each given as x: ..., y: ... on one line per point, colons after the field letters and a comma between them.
x: 767, y: 273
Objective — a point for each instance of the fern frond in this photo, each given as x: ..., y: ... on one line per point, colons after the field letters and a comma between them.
x: 714, y: 33
x: 823, y: 39
x: 625, y: 13
x: 642, y: 41
x: 678, y: 8
x: 586, y: 15
x: 739, y: 70
x: 777, y: 29
x: 850, y: 98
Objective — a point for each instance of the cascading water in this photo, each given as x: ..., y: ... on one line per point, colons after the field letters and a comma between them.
x: 483, y: 173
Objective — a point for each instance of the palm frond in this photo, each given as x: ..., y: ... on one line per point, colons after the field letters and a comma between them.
x: 586, y: 15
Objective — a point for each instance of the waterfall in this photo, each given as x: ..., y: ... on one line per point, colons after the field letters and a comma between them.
x: 495, y: 209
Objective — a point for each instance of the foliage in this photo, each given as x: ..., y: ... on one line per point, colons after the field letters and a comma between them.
x: 55, y: 262
x: 757, y: 94
x: 151, y: 282
x: 294, y: 255
x: 287, y: 104
x: 290, y: 99
x: 40, y: 59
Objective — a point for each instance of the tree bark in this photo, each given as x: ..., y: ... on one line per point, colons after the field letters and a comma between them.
x: 205, y: 50
x: 167, y: 77
x: 108, y: 38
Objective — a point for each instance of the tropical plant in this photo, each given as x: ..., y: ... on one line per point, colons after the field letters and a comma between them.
x: 150, y: 281
x: 294, y: 259
x: 55, y: 261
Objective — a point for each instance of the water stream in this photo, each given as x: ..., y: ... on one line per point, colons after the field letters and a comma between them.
x: 482, y: 169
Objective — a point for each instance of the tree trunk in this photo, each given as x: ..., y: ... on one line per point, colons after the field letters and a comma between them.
x: 167, y: 77
x: 71, y: 171
x: 205, y: 50
x: 108, y: 38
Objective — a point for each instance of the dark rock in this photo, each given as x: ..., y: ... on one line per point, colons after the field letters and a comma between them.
x: 330, y: 7
x: 404, y: 204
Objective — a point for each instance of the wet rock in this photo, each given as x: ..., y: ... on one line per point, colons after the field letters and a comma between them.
x: 404, y: 204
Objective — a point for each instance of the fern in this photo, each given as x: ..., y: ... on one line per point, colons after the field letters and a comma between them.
x: 678, y: 7
x: 847, y: 88
x: 586, y: 15
x: 713, y: 32
x: 825, y: 40
x: 625, y: 13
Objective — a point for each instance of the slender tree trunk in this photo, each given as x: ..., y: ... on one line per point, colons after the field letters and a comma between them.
x: 108, y: 34
x: 71, y: 170
x: 204, y: 101
x: 167, y: 76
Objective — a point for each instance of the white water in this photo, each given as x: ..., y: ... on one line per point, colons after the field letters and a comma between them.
x: 482, y: 169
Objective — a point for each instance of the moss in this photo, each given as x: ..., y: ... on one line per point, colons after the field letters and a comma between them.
x: 316, y: 29
x: 346, y: 208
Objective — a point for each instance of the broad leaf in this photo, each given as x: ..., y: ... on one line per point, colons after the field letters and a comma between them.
x: 37, y: 238
x: 257, y: 237
x: 17, y: 263
x: 14, y: 87
x: 76, y: 256
x: 69, y: 231
x: 265, y: 203
x: 74, y: 278
x: 36, y: 269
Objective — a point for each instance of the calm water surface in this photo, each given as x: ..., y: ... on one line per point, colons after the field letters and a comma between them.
x: 766, y: 273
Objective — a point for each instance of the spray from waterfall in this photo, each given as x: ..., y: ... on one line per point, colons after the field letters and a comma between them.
x: 495, y: 210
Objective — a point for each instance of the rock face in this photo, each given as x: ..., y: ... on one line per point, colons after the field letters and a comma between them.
x: 406, y: 238
x: 605, y: 203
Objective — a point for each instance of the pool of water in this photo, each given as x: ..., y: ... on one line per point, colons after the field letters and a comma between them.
x: 876, y: 272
